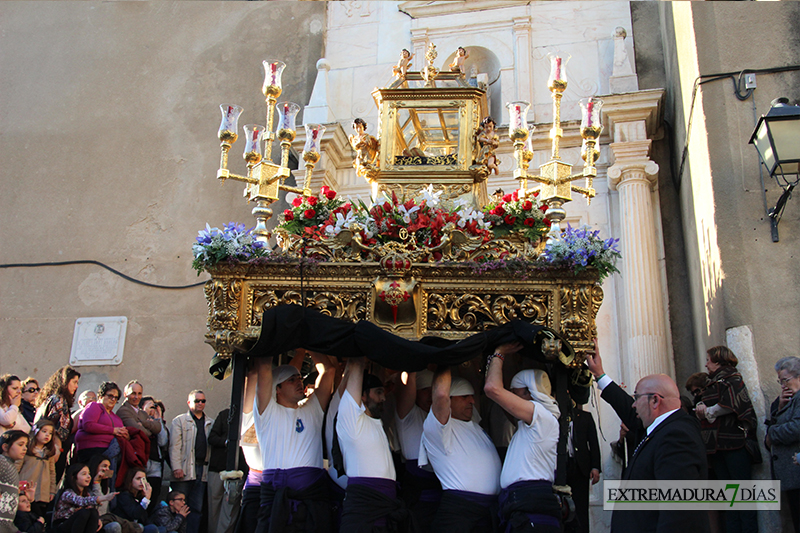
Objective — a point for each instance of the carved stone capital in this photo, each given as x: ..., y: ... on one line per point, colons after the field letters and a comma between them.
x: 643, y: 170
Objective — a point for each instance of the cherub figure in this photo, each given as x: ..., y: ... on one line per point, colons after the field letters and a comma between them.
x: 366, y: 147
x: 487, y: 141
x: 458, y: 62
x: 401, y: 68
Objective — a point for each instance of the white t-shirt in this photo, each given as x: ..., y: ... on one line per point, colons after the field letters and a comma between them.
x: 364, y: 445
x: 462, y: 455
x: 409, y: 431
x: 333, y: 408
x: 533, y: 451
x: 249, y: 442
x: 290, y: 438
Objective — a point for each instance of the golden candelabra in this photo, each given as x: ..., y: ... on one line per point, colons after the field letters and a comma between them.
x: 556, y: 176
x: 265, y: 179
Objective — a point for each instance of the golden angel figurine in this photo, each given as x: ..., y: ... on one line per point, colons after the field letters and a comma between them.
x: 366, y: 147
x: 401, y: 68
x: 487, y: 141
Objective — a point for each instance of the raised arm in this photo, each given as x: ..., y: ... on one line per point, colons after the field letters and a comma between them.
x: 264, y: 382
x: 441, y: 394
x: 355, y: 379
x: 514, y: 405
x: 405, y: 394
x: 249, y: 390
x: 324, y: 385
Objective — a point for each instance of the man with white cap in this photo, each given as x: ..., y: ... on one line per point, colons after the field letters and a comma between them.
x: 527, y: 498
x: 293, y: 482
x: 370, y: 502
x: 463, y: 457
x: 421, y: 489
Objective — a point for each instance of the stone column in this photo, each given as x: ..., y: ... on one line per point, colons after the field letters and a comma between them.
x: 522, y: 59
x: 635, y: 175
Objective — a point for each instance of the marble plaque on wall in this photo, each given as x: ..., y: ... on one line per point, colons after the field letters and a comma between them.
x: 98, y: 341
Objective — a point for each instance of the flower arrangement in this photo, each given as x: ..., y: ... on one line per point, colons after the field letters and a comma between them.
x: 580, y: 248
x: 310, y: 215
x: 234, y: 243
x: 524, y: 216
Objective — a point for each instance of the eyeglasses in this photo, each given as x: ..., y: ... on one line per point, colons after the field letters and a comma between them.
x: 783, y: 381
x: 112, y: 397
x: 637, y: 396
x: 178, y: 499
x: 199, y: 401
x: 32, y: 389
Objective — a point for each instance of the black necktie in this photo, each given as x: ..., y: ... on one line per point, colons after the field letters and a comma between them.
x: 336, y: 451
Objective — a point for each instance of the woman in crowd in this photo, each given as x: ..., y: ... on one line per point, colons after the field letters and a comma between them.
x: 783, y: 435
x: 54, y: 403
x: 39, y: 465
x: 76, y: 506
x: 99, y: 425
x: 172, y: 517
x: 135, y: 497
x: 30, y: 391
x: 13, y: 446
x: 158, y: 446
x: 10, y: 398
x: 728, y: 420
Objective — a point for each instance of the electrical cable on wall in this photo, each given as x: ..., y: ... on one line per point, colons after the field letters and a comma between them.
x: 98, y: 263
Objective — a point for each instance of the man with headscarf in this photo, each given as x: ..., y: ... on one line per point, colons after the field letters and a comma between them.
x: 421, y: 489
x: 528, y: 473
x: 294, y: 494
x: 370, y: 503
x: 463, y: 457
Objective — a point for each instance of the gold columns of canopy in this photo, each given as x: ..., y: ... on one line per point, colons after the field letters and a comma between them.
x: 265, y: 179
x: 556, y: 175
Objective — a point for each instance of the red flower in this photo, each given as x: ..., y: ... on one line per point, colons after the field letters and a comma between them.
x: 297, y: 201
x: 387, y: 207
x: 309, y: 213
x: 515, y: 195
x: 507, y: 198
x: 312, y: 200
x: 535, y: 193
x: 530, y: 222
x: 543, y: 207
x: 288, y: 215
x: 330, y: 194
x: 547, y: 222
x: 510, y: 220
x: 527, y: 205
x: 499, y: 210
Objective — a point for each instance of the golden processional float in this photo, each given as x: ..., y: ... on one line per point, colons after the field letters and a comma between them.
x: 433, y: 254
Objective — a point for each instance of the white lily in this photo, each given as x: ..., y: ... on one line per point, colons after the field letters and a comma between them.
x: 430, y: 196
x: 407, y: 212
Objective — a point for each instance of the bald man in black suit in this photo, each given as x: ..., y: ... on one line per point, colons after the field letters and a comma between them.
x: 671, y: 450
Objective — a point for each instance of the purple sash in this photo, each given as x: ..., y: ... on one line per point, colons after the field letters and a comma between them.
x: 387, y: 487
x: 425, y: 495
x: 484, y: 500
x: 294, y: 478
x: 253, y: 479
x: 535, y: 518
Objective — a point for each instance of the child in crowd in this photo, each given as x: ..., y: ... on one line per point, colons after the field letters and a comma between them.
x: 13, y: 446
x: 134, y: 499
x: 26, y: 520
x: 100, y: 470
x: 76, y: 506
x: 39, y: 464
x: 172, y: 516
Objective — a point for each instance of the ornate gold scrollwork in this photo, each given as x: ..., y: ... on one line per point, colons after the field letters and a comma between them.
x: 471, y: 312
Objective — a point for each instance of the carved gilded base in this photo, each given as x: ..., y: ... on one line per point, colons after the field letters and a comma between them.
x: 411, y: 300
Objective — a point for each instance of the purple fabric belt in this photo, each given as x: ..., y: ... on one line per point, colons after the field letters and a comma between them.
x: 484, y: 500
x: 535, y: 518
x: 387, y: 487
x: 253, y: 479
x: 294, y: 478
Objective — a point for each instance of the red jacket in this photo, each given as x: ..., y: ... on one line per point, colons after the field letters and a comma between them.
x: 135, y: 453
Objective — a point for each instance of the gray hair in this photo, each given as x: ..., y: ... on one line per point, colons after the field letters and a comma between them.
x: 129, y: 386
x: 791, y: 364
